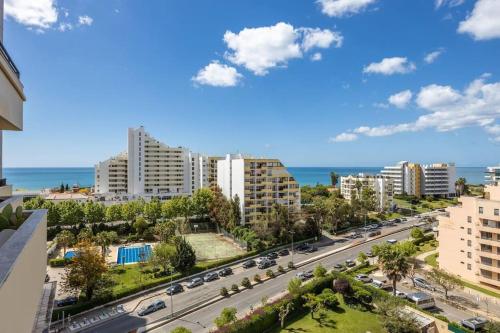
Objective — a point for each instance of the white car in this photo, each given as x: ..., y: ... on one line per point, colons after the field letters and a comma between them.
x: 392, y: 241
x: 400, y: 294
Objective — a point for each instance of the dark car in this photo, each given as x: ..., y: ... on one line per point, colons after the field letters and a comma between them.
x: 153, y: 307
x: 397, y: 220
x: 175, y: 289
x: 66, y: 301
x: 249, y: 263
x: 283, y: 252
x: 339, y: 267
x: 225, y: 271
x: 266, y: 263
x: 272, y: 255
x: 195, y: 282
x: 311, y: 249
x: 374, y: 233
x: 350, y: 263
x: 210, y: 276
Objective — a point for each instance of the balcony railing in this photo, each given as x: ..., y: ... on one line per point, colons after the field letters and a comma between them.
x: 9, y: 60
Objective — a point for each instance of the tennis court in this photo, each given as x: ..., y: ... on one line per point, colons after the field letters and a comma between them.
x: 209, y: 246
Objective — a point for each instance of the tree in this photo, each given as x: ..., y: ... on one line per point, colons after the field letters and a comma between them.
x: 201, y: 201
x: 86, y: 271
x: 369, y: 199
x: 140, y: 225
x: 394, y: 320
x: 316, y: 303
x: 113, y: 213
x: 414, y: 268
x: 445, y: 280
x: 152, y: 210
x: 319, y: 271
x: 165, y: 230
x: 104, y: 239
x: 163, y: 255
x: 295, y: 286
x: 334, y: 177
x: 461, y: 186
x: 284, y: 310
x: 227, y: 316
x: 186, y: 209
x: 362, y: 258
x: 416, y: 233
x: 94, y: 212
x: 132, y: 209
x: 493, y: 327
x: 185, y: 256
x: 61, y: 188
x: 85, y: 235
x: 65, y: 239
x: 311, y: 302
x: 66, y: 188
x: 394, y: 263
x: 181, y: 329
x: 171, y: 208
x: 70, y: 212
x: 220, y: 211
x: 236, y: 210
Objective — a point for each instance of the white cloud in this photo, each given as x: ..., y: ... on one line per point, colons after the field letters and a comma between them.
x: 449, y: 3
x: 218, y: 75
x: 389, y: 66
x: 85, y: 20
x: 401, y: 99
x: 315, y: 37
x: 340, y: 8
x: 380, y: 105
x: 344, y: 137
x: 432, y: 56
x: 449, y: 109
x: 483, y: 23
x: 40, y: 14
x: 260, y: 49
x: 64, y: 26
x: 316, y: 56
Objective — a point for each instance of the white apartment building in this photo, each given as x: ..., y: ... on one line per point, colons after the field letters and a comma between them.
x: 383, y: 187
x: 492, y: 174
x: 428, y: 179
x: 259, y: 183
x: 111, y: 175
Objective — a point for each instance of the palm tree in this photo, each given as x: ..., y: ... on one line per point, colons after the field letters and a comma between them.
x: 104, y: 239
x: 334, y: 177
x: 65, y: 238
x: 358, y: 186
x: 394, y: 263
x: 461, y: 186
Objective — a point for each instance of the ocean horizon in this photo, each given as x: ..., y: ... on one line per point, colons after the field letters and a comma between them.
x: 35, y: 179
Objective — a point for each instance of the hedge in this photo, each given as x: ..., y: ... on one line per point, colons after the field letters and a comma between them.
x: 59, y: 262
x: 424, y: 239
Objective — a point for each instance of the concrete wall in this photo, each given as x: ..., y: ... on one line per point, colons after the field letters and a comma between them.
x: 23, y: 261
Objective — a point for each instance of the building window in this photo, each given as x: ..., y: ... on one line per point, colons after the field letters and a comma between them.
x: 469, y: 255
x: 496, y: 211
x: 480, y: 210
x: 469, y: 267
x: 469, y: 242
x: 469, y: 219
x: 469, y: 231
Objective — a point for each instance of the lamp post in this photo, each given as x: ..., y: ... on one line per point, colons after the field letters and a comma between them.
x: 171, y: 292
x: 292, y: 232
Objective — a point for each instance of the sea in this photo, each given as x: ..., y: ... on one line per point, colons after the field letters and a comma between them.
x: 35, y: 179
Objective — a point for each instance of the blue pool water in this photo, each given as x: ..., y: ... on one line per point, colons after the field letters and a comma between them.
x: 70, y: 254
x: 132, y: 254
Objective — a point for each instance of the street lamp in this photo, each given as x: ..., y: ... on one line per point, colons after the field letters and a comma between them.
x: 292, y: 232
x: 171, y: 292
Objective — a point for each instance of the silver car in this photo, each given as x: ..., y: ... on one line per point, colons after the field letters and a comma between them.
x: 153, y: 307
x: 195, y: 282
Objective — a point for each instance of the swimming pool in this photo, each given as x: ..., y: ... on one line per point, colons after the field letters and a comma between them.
x: 70, y: 254
x: 133, y: 254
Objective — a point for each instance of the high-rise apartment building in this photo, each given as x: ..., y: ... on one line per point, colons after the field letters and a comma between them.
x: 469, y: 238
x: 23, y: 255
x: 111, y: 175
x: 382, y: 186
x: 422, y: 179
x: 259, y: 183
x: 492, y: 174
x: 208, y: 171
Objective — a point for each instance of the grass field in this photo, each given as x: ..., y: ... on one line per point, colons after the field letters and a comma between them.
x: 432, y: 260
x: 211, y: 246
x: 426, y: 205
x: 343, y: 319
x: 427, y: 246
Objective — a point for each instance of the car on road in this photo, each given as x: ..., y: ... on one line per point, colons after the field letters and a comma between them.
x: 66, y: 301
x: 389, y: 224
x: 267, y: 263
x: 153, y: 307
x: 397, y: 220
x: 339, y: 267
x: 175, y: 289
x: 422, y: 300
x: 272, y: 255
x: 369, y: 254
x: 419, y: 282
x: 249, y: 263
x: 225, y: 271
x: 475, y: 323
x: 301, y: 247
x: 350, y: 263
x: 210, y: 276
x: 305, y: 275
x: 401, y: 294
x: 311, y: 249
x: 283, y: 252
x: 392, y: 241
x: 374, y: 233
x: 195, y: 282
x: 261, y: 259
x: 354, y: 235
x: 363, y: 278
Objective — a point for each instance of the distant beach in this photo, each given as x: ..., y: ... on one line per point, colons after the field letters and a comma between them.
x: 35, y: 179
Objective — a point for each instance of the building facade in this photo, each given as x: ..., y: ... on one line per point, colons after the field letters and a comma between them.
x: 469, y: 238
x: 111, y: 176
x: 492, y: 175
x: 259, y: 183
x: 382, y: 186
x: 422, y: 179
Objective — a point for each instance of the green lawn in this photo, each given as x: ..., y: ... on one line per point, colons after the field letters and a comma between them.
x: 427, y: 246
x: 480, y: 289
x: 426, y: 205
x: 432, y: 260
x: 343, y: 319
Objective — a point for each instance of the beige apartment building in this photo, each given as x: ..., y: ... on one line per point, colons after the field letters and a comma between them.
x: 383, y: 187
x: 469, y: 238
x: 259, y: 183
x: 23, y: 255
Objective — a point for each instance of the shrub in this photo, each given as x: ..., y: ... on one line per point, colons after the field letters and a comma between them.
x: 257, y: 278
x: 235, y: 287
x: 224, y: 292
x: 246, y: 283
x: 319, y: 271
x: 270, y: 274
x: 59, y: 262
x: 281, y: 269
x: 291, y: 265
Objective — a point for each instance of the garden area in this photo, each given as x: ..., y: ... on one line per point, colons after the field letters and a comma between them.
x: 417, y: 205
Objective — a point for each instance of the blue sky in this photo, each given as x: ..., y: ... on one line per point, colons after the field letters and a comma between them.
x: 245, y: 76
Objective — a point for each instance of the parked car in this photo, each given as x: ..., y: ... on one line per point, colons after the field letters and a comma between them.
x: 66, y: 301
x: 305, y: 275
x: 311, y: 249
x: 272, y: 255
x: 283, y: 252
x: 339, y: 267
x: 267, y: 263
x: 210, y: 276
x: 225, y: 271
x: 377, y: 284
x: 350, y: 263
x: 175, y: 289
x: 363, y: 278
x: 475, y: 323
x: 419, y: 282
x: 153, y: 307
x: 392, y: 241
x: 249, y: 263
x: 195, y: 282
x: 354, y: 235
x: 369, y: 254
x: 375, y: 233
x: 400, y: 294
x: 301, y: 247
x: 261, y: 259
